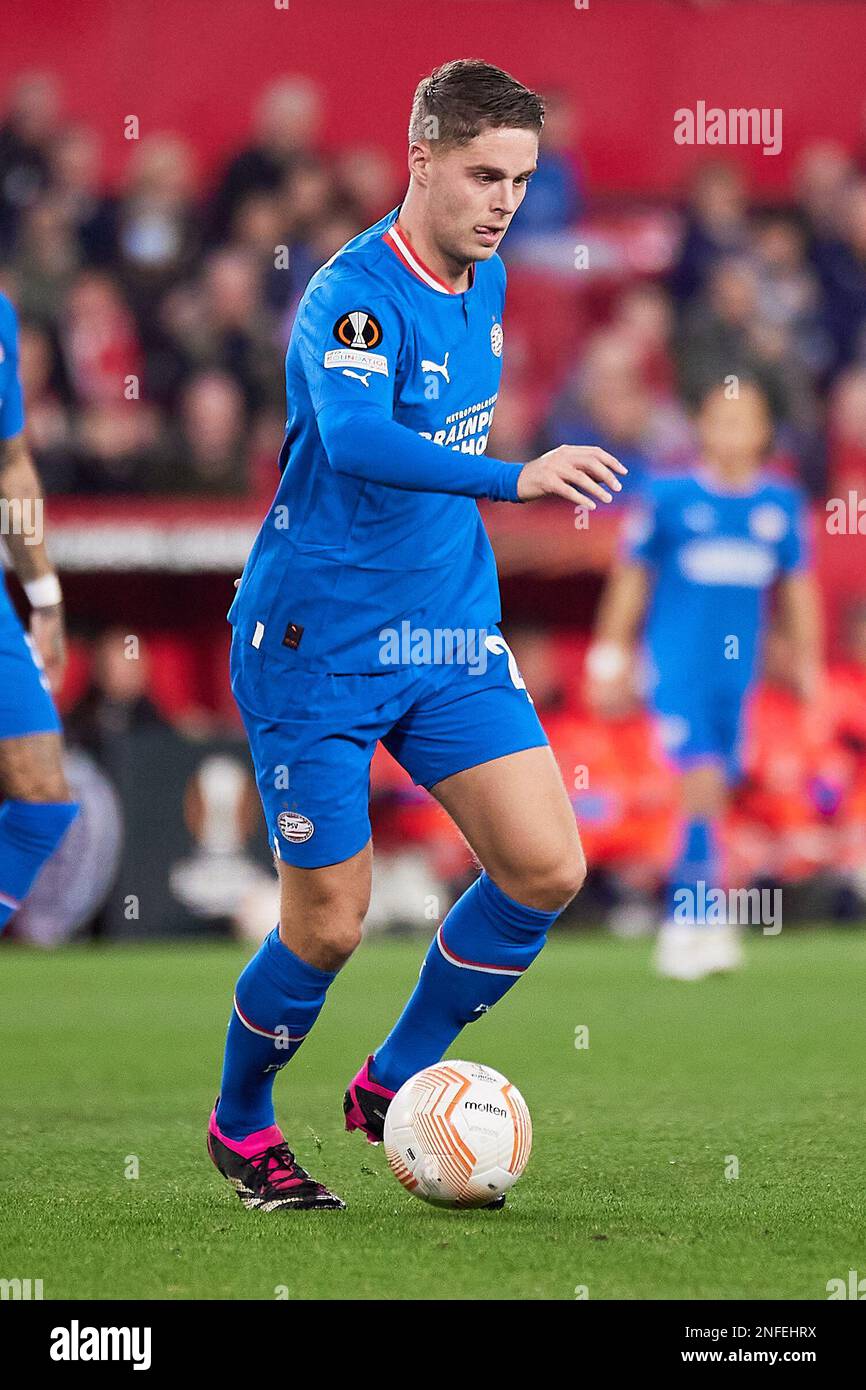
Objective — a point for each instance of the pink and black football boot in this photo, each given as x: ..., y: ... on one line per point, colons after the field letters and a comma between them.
x: 263, y: 1171
x: 365, y: 1105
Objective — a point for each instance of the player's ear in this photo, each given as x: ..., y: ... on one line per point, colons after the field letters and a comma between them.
x: 419, y: 159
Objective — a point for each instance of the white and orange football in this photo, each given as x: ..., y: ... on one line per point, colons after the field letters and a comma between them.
x: 458, y: 1134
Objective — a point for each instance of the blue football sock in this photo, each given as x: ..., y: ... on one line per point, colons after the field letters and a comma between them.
x: 30, y: 832
x: 277, y: 1000
x: 483, y: 947
x: 698, y: 863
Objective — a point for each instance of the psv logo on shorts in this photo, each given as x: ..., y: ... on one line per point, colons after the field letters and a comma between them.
x: 294, y: 827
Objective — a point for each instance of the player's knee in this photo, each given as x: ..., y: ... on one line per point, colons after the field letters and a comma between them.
x: 339, y: 936
x: 548, y: 881
x: 562, y: 882
x: 329, y: 921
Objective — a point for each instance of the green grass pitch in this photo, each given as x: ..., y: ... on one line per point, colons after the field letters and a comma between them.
x: 110, y: 1055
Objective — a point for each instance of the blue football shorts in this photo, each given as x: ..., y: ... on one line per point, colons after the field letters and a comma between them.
x: 701, y: 723
x: 312, y: 736
x: 26, y: 706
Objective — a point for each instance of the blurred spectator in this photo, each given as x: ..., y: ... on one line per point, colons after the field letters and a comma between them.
x: 98, y: 340
x: 515, y: 423
x: 209, y: 456
x: 219, y: 323
x: 116, y: 700
x: 789, y: 294
x: 723, y: 336
x: 716, y: 226
x: 150, y: 233
x: 840, y: 261
x: 286, y: 126
x: 823, y: 173
x: 46, y: 259
x: 608, y: 403
x: 49, y: 425
x: 25, y: 137
x: 555, y: 197
x: 115, y: 448
x: 308, y: 198
x: 76, y: 173
x: 791, y: 817
x: 368, y: 184
x: 258, y: 230
x: 644, y: 315
x: 848, y: 432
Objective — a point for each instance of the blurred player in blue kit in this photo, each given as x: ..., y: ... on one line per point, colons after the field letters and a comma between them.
x: 708, y: 551
x: 36, y: 809
x: 368, y: 610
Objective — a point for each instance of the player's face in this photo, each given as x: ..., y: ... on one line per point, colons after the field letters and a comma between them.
x: 474, y: 191
x: 735, y: 433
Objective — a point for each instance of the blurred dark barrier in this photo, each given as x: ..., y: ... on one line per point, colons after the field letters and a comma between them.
x: 194, y: 859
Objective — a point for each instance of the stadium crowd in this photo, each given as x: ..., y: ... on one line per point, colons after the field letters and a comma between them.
x: 154, y: 318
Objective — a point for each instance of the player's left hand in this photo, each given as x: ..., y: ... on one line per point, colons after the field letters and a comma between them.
x: 48, y: 630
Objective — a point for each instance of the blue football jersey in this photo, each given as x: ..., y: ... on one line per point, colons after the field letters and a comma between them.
x: 340, y: 557
x: 11, y: 403
x: 714, y: 556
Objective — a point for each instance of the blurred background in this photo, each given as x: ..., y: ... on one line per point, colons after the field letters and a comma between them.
x: 170, y: 178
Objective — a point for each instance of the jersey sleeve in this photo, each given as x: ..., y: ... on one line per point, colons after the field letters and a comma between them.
x: 12, y: 404
x: 350, y: 338
x: 795, y: 546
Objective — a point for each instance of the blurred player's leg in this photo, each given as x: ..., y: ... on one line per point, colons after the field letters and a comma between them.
x: 516, y: 816
x: 35, y: 814
x: 690, y: 947
x: 36, y: 809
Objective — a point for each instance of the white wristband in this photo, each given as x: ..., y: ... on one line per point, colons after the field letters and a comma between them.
x: 44, y: 592
x: 605, y: 661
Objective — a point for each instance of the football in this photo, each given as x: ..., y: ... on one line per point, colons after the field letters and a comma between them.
x: 458, y: 1135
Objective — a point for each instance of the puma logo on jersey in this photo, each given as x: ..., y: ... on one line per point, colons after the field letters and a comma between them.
x: 363, y: 377
x: 428, y: 366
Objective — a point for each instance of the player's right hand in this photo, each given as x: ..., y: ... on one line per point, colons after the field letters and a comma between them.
x: 609, y: 680
x: 581, y: 473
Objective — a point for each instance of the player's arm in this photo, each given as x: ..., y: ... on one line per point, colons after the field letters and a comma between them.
x: 365, y: 443
x: 352, y: 389
x: 610, y: 659
x: 798, y: 603
x: 21, y: 490
x: 609, y: 669
x: 799, y: 613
